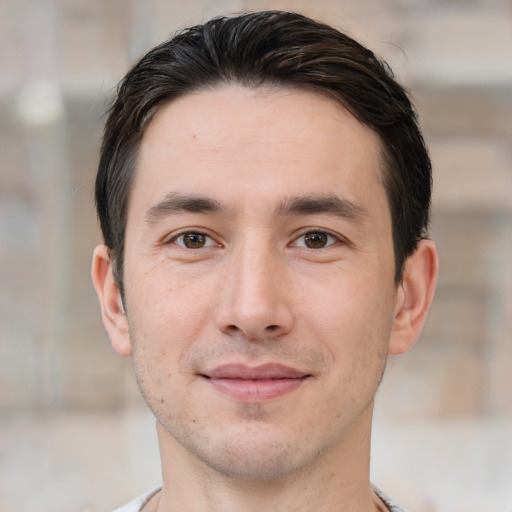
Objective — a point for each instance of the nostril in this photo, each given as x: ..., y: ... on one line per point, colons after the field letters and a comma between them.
x: 272, y: 327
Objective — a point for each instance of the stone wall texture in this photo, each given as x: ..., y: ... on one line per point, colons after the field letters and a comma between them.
x: 59, y: 63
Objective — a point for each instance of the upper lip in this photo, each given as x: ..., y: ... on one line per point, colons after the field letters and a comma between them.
x: 262, y: 372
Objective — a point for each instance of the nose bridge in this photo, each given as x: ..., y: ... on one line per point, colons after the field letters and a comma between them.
x: 253, y: 302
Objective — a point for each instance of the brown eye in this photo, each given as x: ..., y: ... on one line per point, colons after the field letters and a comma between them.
x: 316, y: 240
x: 193, y: 240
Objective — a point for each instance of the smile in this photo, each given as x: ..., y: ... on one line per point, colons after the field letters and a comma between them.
x: 255, y: 384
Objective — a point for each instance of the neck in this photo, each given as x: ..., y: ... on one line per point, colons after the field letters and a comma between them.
x: 337, y: 481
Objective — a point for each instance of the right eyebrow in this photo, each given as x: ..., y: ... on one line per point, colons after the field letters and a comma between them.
x: 175, y: 203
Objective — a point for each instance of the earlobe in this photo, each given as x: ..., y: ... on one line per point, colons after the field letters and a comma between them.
x: 414, y: 297
x: 112, y: 309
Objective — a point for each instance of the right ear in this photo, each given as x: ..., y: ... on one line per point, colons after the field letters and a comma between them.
x: 112, y: 309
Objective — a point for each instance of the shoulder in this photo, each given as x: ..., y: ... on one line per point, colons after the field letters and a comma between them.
x: 137, y: 504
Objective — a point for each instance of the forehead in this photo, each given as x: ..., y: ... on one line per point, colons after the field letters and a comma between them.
x: 264, y: 141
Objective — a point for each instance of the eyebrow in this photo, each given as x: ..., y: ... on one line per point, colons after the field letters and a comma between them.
x: 175, y: 203
x: 323, y: 204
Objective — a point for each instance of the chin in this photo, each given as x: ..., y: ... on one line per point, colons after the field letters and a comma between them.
x: 255, y: 460
x: 255, y: 451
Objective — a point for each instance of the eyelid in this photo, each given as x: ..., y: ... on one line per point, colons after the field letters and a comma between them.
x: 187, y: 231
x: 338, y: 238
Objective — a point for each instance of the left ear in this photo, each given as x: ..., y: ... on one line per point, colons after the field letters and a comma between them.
x: 414, y: 296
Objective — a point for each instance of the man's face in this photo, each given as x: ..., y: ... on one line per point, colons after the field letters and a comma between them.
x: 259, y: 278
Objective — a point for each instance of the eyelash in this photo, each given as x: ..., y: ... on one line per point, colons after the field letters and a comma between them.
x: 313, y: 231
x: 210, y: 242
x: 175, y: 238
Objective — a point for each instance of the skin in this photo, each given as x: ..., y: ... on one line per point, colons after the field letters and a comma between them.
x: 286, y: 259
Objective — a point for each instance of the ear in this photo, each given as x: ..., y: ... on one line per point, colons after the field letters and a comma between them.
x: 414, y: 296
x: 112, y: 309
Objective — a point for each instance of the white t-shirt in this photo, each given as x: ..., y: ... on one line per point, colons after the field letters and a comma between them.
x: 138, y: 503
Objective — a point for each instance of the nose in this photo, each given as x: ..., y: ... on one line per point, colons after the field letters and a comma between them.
x: 254, y: 300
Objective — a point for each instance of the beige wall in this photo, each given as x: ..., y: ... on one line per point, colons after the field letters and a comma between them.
x: 59, y: 62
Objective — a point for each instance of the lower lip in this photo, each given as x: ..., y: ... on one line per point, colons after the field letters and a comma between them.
x: 256, y: 390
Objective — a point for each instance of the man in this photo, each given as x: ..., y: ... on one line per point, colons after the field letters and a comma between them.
x: 264, y: 195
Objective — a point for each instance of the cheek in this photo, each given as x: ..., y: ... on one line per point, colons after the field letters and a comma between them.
x: 349, y: 314
x: 166, y: 316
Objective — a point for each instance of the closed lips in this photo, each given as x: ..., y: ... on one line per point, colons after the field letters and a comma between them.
x: 263, y: 372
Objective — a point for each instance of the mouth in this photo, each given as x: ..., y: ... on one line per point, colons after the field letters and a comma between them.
x: 255, y: 384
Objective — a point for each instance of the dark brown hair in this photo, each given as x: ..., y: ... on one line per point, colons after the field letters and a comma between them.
x: 276, y: 49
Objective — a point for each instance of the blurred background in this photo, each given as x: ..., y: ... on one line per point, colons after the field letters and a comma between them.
x: 74, y: 434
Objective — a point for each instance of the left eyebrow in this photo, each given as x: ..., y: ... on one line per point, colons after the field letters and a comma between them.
x: 322, y: 204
